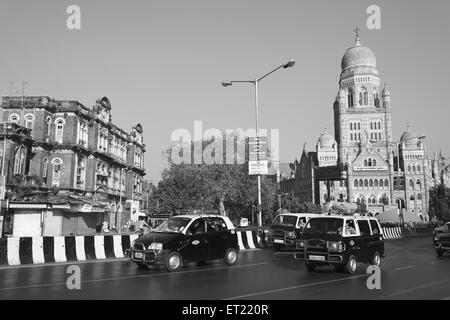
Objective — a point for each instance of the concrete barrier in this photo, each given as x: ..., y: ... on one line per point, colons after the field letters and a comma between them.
x: 37, y: 250
x: 405, y: 232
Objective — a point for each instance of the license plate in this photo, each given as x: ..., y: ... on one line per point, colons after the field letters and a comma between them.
x: 278, y: 241
x: 317, y: 258
x: 138, y: 255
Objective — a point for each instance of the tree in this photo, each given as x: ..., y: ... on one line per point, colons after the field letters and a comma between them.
x: 224, y: 188
x: 439, y: 202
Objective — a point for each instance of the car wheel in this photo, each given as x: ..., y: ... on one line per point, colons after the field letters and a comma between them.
x: 310, y: 266
x: 439, y: 253
x: 174, y: 261
x: 376, y: 259
x: 230, y: 256
x: 351, y: 265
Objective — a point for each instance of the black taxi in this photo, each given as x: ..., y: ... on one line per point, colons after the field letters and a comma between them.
x: 187, y: 238
x: 286, y: 228
x: 442, y: 242
x: 341, y: 241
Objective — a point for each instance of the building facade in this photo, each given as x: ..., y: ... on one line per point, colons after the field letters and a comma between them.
x: 79, y: 150
x: 363, y: 162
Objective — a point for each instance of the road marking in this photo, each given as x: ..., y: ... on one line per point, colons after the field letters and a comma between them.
x: 434, y: 262
x: 137, y: 276
x: 403, y: 268
x: 412, y: 289
x: 295, y: 287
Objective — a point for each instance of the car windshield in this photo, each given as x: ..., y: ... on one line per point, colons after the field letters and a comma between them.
x: 175, y: 224
x: 285, y: 220
x: 324, y: 226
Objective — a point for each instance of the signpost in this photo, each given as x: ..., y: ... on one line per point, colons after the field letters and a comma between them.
x: 257, y: 151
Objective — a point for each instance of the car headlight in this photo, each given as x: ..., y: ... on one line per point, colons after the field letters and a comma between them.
x: 155, y: 246
x: 291, y: 234
x: 301, y: 244
x: 436, y: 238
x: 335, y: 246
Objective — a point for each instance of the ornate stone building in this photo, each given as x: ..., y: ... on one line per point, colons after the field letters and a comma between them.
x: 80, y: 151
x: 363, y: 162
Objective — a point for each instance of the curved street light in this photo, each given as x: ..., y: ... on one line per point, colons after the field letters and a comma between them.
x: 255, y: 82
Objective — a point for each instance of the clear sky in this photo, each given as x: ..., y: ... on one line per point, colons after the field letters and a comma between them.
x: 161, y: 63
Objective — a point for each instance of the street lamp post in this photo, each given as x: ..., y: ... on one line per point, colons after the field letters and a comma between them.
x: 255, y: 83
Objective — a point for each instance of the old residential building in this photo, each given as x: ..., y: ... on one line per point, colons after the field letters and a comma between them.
x: 80, y: 151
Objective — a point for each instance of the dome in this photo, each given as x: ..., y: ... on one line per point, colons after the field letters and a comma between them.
x: 410, y: 139
x: 326, y: 140
x: 358, y: 56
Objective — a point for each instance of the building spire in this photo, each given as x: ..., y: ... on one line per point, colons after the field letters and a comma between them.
x: 357, y: 43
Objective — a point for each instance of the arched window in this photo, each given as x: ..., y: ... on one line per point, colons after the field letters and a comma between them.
x: 355, y: 183
x: 374, y: 163
x: 418, y: 168
x: 372, y: 200
x: 365, y: 162
x: 350, y: 98
x: 49, y: 127
x: 380, y: 201
x: 360, y: 182
x: 419, y: 184
x: 29, y: 119
x: 379, y: 125
x: 371, y: 125
x: 376, y: 99
x: 59, y: 130
x: 412, y: 197
x: 56, y: 174
x: 375, y: 183
x: 370, y: 183
x: 19, y: 161
x: 359, y: 125
x: 363, y: 97
x: 409, y: 168
x: 369, y: 162
x: 411, y: 184
x: 419, y: 196
x: 381, y: 182
x: 386, y: 182
x: 44, y: 168
x: 413, y: 168
x: 366, y: 183
x: 14, y: 118
x: 351, y: 125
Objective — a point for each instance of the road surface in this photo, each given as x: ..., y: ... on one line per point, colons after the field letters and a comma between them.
x: 411, y: 270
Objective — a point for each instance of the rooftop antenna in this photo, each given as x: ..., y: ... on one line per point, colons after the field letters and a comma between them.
x: 357, y: 36
x: 22, y: 120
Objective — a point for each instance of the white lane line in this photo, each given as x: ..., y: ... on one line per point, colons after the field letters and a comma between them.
x: 434, y: 262
x: 135, y: 277
x: 295, y: 287
x: 403, y: 268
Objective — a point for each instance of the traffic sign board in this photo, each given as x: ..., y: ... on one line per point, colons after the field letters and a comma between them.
x: 258, y: 167
x: 257, y: 148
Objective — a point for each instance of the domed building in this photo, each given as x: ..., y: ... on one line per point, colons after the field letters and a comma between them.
x: 362, y: 162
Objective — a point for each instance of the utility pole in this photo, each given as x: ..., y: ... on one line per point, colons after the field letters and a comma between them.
x: 22, y: 120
